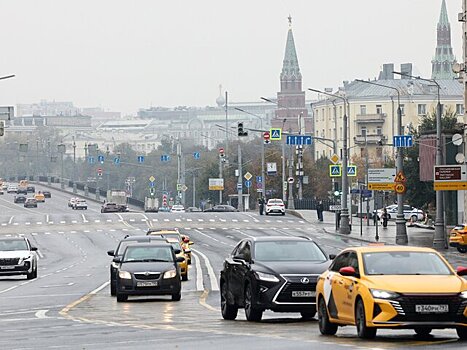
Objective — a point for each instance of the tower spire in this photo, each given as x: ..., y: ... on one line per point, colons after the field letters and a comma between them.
x: 441, y: 65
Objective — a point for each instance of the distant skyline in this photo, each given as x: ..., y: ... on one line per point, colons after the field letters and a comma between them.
x: 125, y: 55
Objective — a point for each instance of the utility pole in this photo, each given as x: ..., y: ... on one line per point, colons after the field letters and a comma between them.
x: 240, y: 178
x: 463, y: 18
x: 290, y: 201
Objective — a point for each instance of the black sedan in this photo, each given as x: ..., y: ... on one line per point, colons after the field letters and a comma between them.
x: 221, y: 208
x: 118, y: 253
x: 112, y: 208
x: 47, y: 194
x: 272, y: 273
x: 148, y: 269
x: 19, y: 199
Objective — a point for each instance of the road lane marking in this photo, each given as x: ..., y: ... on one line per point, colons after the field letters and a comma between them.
x: 74, y: 221
x: 27, y: 223
x: 97, y: 221
x: 199, y: 273
x: 243, y: 233
x: 15, y: 224
x: 63, y: 222
x: 84, y: 218
x: 59, y: 285
x: 41, y: 256
x: 41, y: 314
x: 39, y: 223
x: 189, y: 220
x: 11, y: 220
x: 212, y: 275
x: 66, y: 309
x: 47, y: 218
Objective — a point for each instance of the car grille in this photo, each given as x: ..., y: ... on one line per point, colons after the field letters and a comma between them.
x: 405, y: 306
x: 9, y: 261
x: 285, y: 295
x: 147, y: 276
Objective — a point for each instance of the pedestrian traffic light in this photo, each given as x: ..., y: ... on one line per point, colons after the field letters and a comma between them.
x: 2, y: 128
x: 241, y: 132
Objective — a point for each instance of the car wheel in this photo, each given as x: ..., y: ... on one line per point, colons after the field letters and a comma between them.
x: 185, y: 277
x: 283, y: 213
x: 308, y: 315
x: 462, y: 332
x: 121, y: 297
x: 462, y: 249
x: 251, y: 312
x: 325, y: 326
x: 422, y: 332
x: 267, y: 213
x: 414, y: 218
x: 113, y: 288
x: 363, y: 331
x: 32, y: 275
x: 177, y: 296
x: 229, y: 312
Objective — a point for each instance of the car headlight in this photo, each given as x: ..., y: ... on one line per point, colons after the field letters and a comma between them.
x: 266, y: 277
x: 383, y: 294
x: 463, y: 294
x: 170, y: 274
x: 124, y: 275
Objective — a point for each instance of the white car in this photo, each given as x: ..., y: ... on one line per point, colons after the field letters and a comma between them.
x: 410, y: 213
x: 72, y: 202
x: 275, y: 205
x: 12, y: 189
x: 17, y: 257
x: 80, y: 204
x: 177, y: 209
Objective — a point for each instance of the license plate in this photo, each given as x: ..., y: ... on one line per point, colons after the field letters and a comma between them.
x: 434, y: 309
x: 303, y: 293
x: 146, y: 284
x: 6, y: 267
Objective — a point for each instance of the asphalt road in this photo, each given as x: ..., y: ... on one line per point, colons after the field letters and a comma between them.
x: 69, y: 306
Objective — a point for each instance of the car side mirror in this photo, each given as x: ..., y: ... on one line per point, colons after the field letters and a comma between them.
x: 348, y: 271
x: 239, y: 257
x: 33, y: 249
x: 461, y: 271
x: 110, y: 252
x: 177, y: 251
x: 117, y: 260
x: 180, y: 259
x: 332, y: 256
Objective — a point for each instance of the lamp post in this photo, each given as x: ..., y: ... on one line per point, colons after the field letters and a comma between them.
x: 61, y: 148
x: 439, y: 240
x: 344, y: 227
x: 263, y: 184
x: 401, y: 229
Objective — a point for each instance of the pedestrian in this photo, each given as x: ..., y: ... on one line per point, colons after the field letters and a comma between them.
x: 385, y: 217
x: 261, y: 205
x: 319, y: 210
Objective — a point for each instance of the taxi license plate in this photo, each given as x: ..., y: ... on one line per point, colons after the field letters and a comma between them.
x: 303, y: 293
x: 146, y: 284
x: 431, y: 309
x: 6, y: 267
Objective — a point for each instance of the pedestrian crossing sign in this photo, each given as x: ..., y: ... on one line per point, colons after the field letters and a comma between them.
x: 335, y: 170
x: 275, y: 134
x: 351, y: 170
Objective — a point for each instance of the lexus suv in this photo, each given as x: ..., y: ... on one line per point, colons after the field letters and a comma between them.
x: 17, y: 257
x: 275, y: 273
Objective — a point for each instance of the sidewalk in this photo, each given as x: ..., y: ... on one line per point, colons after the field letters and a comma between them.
x: 417, y: 236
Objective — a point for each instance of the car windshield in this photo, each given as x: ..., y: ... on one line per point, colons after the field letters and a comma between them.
x: 288, y: 251
x: 122, y: 246
x: 14, y: 244
x: 175, y: 245
x: 404, y: 263
x: 140, y: 254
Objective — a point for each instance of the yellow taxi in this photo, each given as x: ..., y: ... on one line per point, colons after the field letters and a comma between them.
x: 39, y: 196
x: 392, y: 287
x: 174, y: 233
x: 458, y: 238
x: 183, y: 264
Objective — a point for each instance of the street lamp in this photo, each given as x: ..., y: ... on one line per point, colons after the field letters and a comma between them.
x: 344, y: 227
x: 401, y: 229
x: 263, y: 183
x: 439, y: 240
x: 61, y: 148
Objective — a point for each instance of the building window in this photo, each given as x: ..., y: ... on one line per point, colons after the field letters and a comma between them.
x: 341, y: 133
x: 421, y: 109
x: 362, y: 109
x: 459, y: 109
x: 322, y: 115
x: 363, y: 131
x: 340, y: 112
x: 317, y: 114
x: 402, y: 109
x: 379, y: 109
x: 379, y: 130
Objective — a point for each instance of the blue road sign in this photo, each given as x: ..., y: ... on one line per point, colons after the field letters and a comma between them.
x: 276, y: 134
x: 239, y: 186
x: 299, y: 140
x: 140, y: 159
x: 259, y: 179
x: 335, y: 170
x: 152, y: 184
x: 165, y: 158
x: 116, y: 161
x: 352, y: 170
x: 402, y: 141
x: 366, y: 193
x: 248, y: 183
x: 100, y: 159
x: 196, y: 155
x: 91, y: 160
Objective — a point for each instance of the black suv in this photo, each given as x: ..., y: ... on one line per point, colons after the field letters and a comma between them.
x: 275, y: 273
x: 19, y: 199
x: 148, y: 269
x: 119, y: 253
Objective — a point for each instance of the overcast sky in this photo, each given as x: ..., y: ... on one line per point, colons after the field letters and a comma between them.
x: 126, y: 55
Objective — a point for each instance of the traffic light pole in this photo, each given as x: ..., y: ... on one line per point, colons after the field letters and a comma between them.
x: 240, y: 179
x: 220, y: 177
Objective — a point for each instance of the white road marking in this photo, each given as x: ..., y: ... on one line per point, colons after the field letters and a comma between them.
x: 234, y: 220
x: 212, y: 220
x: 166, y: 220
x: 199, y: 273
x: 86, y: 231
x: 51, y: 222
x: 178, y: 220
x: 214, y: 239
x: 144, y: 220
x: 97, y: 221
x: 4, y: 224
x: 15, y: 224
x: 84, y: 218
x: 11, y: 220
x: 200, y: 220
x: 223, y: 220
x: 41, y: 256
x: 33, y: 234
x: 46, y: 233
x: 212, y: 275
x: 189, y: 220
x: 109, y: 220
x: 41, y: 314
x: 47, y: 218
x: 243, y: 233
x: 63, y: 222
x: 39, y: 223
x: 155, y: 220
x: 301, y: 221
x: 27, y: 223
x: 74, y: 221
x: 59, y: 285
x: 132, y: 220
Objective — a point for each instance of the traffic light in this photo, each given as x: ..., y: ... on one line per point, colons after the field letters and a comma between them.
x: 2, y: 128
x: 241, y: 132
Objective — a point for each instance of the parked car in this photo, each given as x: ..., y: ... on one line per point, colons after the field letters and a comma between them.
x: 272, y: 273
x: 275, y: 205
x: 221, y: 208
x: 17, y: 257
x: 148, y: 269
x: 19, y: 198
x: 392, y: 287
x: 410, y: 213
x: 30, y: 203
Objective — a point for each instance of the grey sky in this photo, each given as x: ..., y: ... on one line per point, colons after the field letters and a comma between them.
x: 125, y: 55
